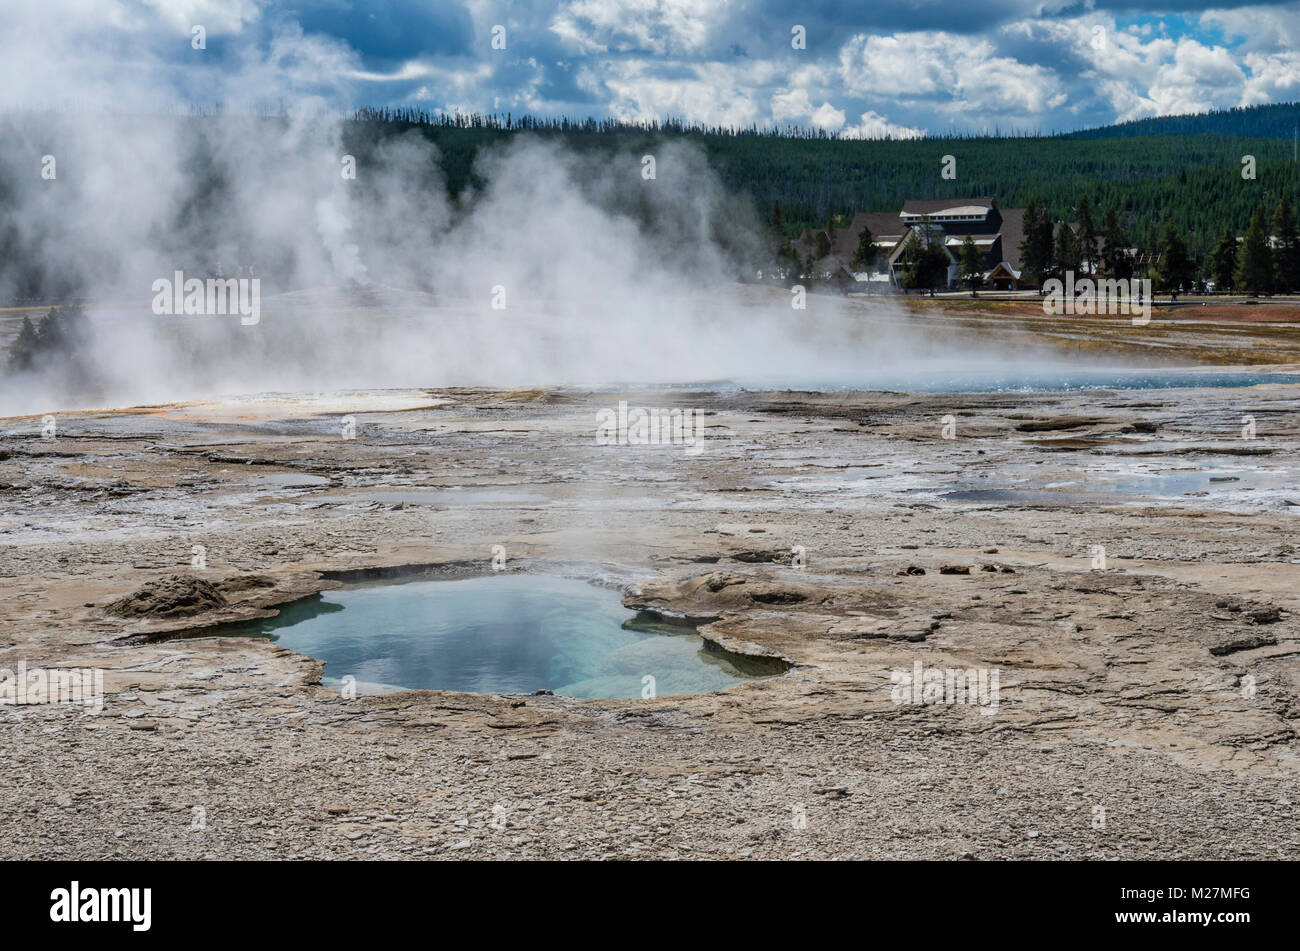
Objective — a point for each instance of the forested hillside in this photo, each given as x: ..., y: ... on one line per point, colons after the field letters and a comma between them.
x: 1252, y: 122
x: 1193, y: 181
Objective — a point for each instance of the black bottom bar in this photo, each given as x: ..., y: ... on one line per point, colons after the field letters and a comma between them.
x: 944, y: 900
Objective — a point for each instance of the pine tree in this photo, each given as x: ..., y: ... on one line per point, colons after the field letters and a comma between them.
x: 1286, y: 256
x: 1115, y: 257
x: 787, y: 260
x: 1224, y: 262
x: 1152, y: 274
x: 1036, y: 245
x: 24, y: 352
x: 1177, y: 270
x: 784, y: 258
x: 867, y: 251
x: 925, y: 262
x: 1255, y: 259
x: 52, y: 333
x: 1068, y: 253
x: 821, y: 245
x: 913, y: 266
x: 972, y: 265
x: 1088, y: 238
x: 774, y: 222
x: 776, y: 239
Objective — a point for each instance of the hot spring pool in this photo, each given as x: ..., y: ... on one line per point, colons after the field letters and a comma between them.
x: 957, y: 378
x: 513, y: 633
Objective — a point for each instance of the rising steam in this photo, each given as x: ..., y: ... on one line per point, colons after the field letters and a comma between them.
x: 385, y: 279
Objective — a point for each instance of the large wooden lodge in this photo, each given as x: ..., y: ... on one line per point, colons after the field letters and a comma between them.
x: 997, y: 233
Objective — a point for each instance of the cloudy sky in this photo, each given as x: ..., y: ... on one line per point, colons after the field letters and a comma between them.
x: 866, y: 68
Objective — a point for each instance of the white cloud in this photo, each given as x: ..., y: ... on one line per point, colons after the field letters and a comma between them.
x: 1273, y: 78
x: 729, y: 94
x: 826, y: 117
x: 963, y: 71
x: 875, y: 126
x: 1139, y: 74
x: 661, y: 27
x: 713, y: 61
x: 647, y: 97
x: 913, y: 64
x: 794, y: 105
x: 1259, y: 29
x: 215, y: 16
x: 1199, y: 78
x: 412, y: 69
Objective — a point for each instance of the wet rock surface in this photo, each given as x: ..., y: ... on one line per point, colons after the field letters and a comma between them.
x: 1153, y: 683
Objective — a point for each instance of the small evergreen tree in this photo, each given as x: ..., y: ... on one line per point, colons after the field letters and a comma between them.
x: 1177, y: 270
x: 24, y: 352
x: 53, y: 332
x: 972, y: 265
x: 1036, y: 245
x: 1286, y: 256
x: 1152, y: 274
x: 925, y: 263
x: 1088, y: 237
x: 1224, y: 262
x: 1068, y: 254
x: 1116, y: 260
x: 787, y: 260
x: 777, y: 243
x: 1255, y: 259
x: 867, y: 251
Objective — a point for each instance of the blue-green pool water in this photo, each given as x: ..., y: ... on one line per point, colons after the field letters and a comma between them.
x: 958, y: 378
x: 510, y: 633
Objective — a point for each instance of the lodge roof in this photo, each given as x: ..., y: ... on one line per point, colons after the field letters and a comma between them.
x: 965, y: 207
x: 885, y: 227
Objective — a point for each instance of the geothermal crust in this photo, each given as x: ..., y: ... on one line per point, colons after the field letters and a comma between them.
x: 1147, y: 708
